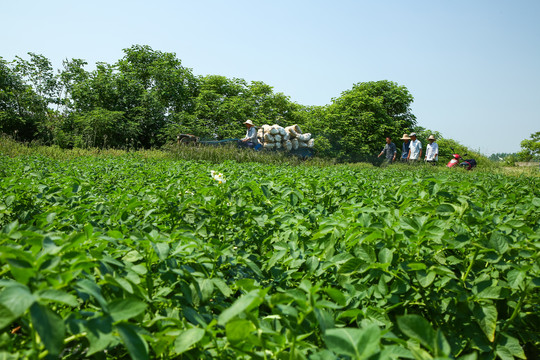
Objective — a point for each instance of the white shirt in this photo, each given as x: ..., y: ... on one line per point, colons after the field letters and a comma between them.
x: 415, y: 147
x: 251, y: 134
x: 432, y: 151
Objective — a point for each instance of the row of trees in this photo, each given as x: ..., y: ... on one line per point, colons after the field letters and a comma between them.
x: 530, y: 148
x: 146, y: 98
x: 530, y: 151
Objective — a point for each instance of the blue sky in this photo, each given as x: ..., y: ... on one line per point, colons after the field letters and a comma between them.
x: 473, y: 67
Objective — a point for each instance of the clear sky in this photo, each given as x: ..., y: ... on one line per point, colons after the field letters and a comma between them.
x: 472, y: 66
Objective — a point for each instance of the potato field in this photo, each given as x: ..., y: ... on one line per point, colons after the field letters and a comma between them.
x: 127, y: 257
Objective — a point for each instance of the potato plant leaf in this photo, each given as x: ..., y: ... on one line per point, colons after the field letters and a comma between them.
x: 238, y: 330
x: 187, y: 339
x: 244, y: 303
x: 49, y: 326
x: 124, y: 309
x: 356, y: 343
x: 418, y: 328
x: 486, y: 317
x: 132, y: 340
x: 58, y: 296
x: 14, y: 301
x: 99, y: 334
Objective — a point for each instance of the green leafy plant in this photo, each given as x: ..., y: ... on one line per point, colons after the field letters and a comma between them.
x: 147, y: 256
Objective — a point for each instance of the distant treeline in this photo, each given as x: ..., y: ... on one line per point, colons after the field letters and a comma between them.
x: 147, y: 97
x: 502, y: 156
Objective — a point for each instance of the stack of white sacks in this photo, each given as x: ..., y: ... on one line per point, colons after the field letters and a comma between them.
x: 278, y: 137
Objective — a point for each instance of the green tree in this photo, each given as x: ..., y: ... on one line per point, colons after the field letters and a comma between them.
x: 530, y: 148
x: 21, y: 108
x: 153, y: 85
x: 148, y: 96
x: 500, y: 156
x: 223, y: 104
x: 148, y: 88
x: 269, y: 107
x: 99, y: 112
x: 356, y: 123
x: 103, y: 128
x: 99, y: 89
x: 39, y: 73
x: 220, y: 106
x: 72, y: 74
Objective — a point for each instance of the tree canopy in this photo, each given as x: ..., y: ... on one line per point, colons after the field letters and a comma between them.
x: 356, y: 123
x: 148, y: 97
x: 530, y: 148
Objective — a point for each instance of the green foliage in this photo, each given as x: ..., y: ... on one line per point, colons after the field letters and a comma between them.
x: 530, y: 148
x: 139, y: 257
x: 21, y: 108
x: 500, y: 156
x: 38, y: 71
x: 153, y: 84
x: 357, y: 121
x: 222, y: 105
x: 153, y: 97
x: 103, y: 128
x: 212, y: 154
x: 147, y: 98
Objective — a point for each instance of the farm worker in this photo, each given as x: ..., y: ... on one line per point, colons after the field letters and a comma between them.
x: 415, y: 149
x: 389, y: 150
x: 432, y: 151
x: 405, y: 147
x: 250, y: 140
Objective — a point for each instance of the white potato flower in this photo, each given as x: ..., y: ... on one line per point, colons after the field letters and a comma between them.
x: 218, y: 177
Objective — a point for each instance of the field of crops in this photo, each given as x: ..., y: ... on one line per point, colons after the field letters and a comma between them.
x: 119, y: 257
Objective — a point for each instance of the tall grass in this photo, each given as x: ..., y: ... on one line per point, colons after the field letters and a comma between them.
x: 12, y: 148
x: 228, y: 152
x: 220, y: 154
x: 213, y: 154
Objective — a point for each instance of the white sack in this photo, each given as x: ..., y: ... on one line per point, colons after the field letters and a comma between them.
x: 311, y: 143
x: 277, y: 138
x: 268, y: 138
x: 287, y: 145
x: 278, y: 145
x: 296, y: 128
x: 302, y: 144
x: 269, y: 145
x: 285, y: 137
x: 304, y: 137
x: 294, y: 143
x: 290, y: 130
x: 274, y: 131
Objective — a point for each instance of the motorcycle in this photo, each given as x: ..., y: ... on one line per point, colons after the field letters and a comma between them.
x: 458, y: 160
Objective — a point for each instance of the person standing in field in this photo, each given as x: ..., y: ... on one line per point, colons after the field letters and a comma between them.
x: 415, y: 149
x: 432, y: 151
x: 250, y: 140
x: 405, y: 147
x: 389, y: 150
